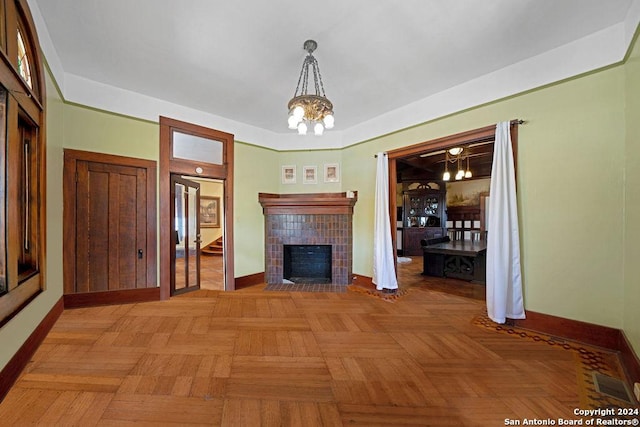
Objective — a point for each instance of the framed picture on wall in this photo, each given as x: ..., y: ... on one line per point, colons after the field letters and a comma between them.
x: 289, y: 174
x: 310, y: 175
x: 331, y: 172
x: 209, y: 212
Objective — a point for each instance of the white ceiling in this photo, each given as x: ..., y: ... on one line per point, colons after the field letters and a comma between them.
x: 235, y: 64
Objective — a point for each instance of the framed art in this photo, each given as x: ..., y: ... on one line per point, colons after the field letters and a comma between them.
x: 310, y: 175
x: 331, y: 172
x: 209, y: 212
x: 289, y: 174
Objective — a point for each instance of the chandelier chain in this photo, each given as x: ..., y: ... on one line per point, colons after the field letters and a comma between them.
x: 310, y: 109
x: 310, y: 61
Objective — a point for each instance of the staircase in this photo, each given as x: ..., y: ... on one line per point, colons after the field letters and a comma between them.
x: 214, y: 248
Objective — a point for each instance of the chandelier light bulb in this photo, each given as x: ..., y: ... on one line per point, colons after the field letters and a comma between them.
x: 318, y: 129
x: 293, y: 122
x: 446, y: 176
x: 298, y: 112
x: 328, y: 121
x: 459, y: 175
x: 302, y: 128
x: 467, y: 174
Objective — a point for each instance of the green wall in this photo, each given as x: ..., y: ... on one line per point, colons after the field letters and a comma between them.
x: 316, y: 158
x: 256, y: 170
x: 632, y: 200
x: 93, y: 130
x: 578, y: 175
x: 570, y: 191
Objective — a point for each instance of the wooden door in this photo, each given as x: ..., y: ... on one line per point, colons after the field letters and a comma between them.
x: 111, y: 230
x: 110, y: 239
x: 185, y: 241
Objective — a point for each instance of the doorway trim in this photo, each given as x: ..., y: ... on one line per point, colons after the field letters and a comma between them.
x: 462, y: 138
x: 223, y: 172
x: 72, y: 299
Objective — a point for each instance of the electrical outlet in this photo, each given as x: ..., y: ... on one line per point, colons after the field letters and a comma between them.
x: 636, y: 391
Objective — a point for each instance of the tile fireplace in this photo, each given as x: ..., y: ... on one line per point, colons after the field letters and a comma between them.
x: 309, y: 220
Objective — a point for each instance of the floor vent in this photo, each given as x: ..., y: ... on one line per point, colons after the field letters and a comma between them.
x: 612, y: 387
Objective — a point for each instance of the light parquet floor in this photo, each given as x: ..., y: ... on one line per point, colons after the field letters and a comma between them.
x: 256, y: 358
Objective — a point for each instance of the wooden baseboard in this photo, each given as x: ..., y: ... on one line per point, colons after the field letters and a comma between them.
x: 250, y: 280
x: 123, y: 296
x: 12, y: 370
x: 629, y: 358
x: 588, y: 333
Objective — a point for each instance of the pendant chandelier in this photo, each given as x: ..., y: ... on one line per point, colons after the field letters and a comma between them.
x: 310, y: 110
x: 454, y: 155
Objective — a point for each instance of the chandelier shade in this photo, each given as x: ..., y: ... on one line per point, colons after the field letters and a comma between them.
x: 310, y: 110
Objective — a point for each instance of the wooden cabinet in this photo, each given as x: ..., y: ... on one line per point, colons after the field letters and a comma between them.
x: 423, y: 218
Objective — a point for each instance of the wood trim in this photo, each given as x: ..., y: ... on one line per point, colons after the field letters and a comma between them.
x: 588, y: 333
x: 223, y: 172
x: 39, y: 94
x: 164, y: 194
x: 307, y: 203
x: 71, y: 157
x: 123, y: 296
x: 462, y: 138
x: 630, y: 359
x: 14, y: 367
x: 22, y: 104
x: 229, y: 260
x: 91, y: 156
x: 486, y: 133
x: 249, y: 280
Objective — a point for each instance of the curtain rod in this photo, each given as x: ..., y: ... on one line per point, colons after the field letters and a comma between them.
x: 513, y: 122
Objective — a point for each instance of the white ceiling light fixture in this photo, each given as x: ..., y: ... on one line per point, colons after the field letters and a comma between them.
x: 310, y: 110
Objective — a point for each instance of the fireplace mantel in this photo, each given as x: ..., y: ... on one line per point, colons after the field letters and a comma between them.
x: 308, y: 203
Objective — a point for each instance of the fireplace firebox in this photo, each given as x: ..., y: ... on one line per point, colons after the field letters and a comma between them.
x: 307, y: 263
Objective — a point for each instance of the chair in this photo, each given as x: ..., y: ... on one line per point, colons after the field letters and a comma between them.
x: 455, y: 234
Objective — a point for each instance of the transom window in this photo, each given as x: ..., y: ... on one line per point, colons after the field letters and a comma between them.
x: 23, y: 60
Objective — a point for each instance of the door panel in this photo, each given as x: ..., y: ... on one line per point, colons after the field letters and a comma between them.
x: 185, y: 254
x: 111, y: 227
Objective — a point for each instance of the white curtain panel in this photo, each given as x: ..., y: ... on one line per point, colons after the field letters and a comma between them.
x: 384, y: 274
x: 504, y: 279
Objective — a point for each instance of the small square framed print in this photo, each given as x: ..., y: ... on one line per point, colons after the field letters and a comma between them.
x: 209, y: 212
x: 289, y: 174
x: 331, y: 172
x: 310, y: 175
